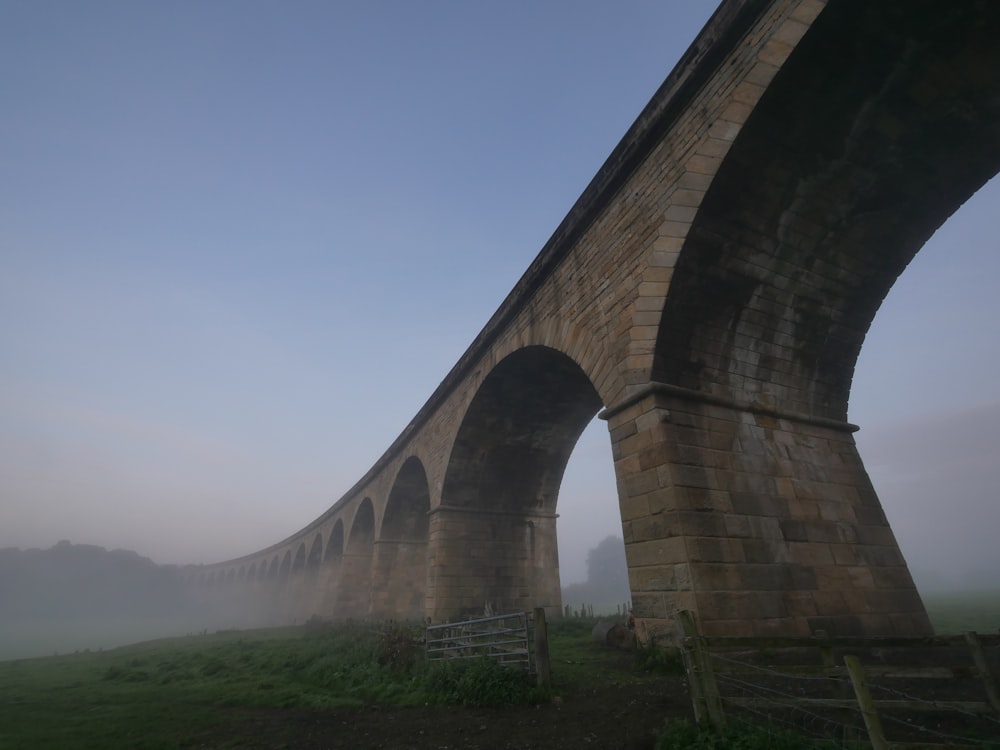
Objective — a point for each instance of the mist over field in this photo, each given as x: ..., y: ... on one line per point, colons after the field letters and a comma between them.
x: 73, y: 597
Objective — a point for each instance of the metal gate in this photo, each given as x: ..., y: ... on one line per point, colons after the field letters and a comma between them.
x: 503, y: 638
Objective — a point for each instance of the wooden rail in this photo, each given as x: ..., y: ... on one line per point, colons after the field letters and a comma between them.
x: 899, y: 693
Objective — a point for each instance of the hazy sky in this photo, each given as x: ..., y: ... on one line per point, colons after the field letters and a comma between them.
x: 242, y: 242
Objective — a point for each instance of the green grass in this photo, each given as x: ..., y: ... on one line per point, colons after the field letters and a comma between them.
x: 168, y: 693
x: 683, y: 735
x: 163, y: 694
x: 953, y: 612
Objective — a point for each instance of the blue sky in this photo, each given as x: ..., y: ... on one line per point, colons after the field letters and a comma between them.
x: 242, y: 242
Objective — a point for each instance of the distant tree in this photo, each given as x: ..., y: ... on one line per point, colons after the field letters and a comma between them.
x: 607, y: 571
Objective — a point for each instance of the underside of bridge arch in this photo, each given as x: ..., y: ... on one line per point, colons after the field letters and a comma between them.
x: 328, y: 576
x: 315, y: 552
x: 883, y: 121
x: 354, y: 587
x: 399, y: 580
x: 493, y: 537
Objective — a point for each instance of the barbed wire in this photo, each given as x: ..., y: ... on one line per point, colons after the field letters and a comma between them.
x: 773, y: 671
x: 819, y: 725
x: 936, y: 704
x: 927, y: 730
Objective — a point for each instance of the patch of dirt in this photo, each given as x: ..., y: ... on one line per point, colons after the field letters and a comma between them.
x: 623, y: 714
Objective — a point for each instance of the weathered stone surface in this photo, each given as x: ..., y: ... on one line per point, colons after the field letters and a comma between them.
x: 710, y: 291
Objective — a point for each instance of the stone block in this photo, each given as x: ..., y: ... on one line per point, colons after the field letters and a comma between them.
x: 700, y: 523
x: 714, y: 549
x: 753, y: 504
x: 890, y: 578
x: 656, y: 552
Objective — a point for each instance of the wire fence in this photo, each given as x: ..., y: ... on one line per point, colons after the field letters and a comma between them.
x: 889, y: 693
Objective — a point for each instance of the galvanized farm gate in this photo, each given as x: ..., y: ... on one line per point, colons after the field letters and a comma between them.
x: 503, y: 638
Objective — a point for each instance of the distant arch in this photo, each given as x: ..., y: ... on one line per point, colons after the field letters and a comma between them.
x: 354, y: 592
x: 299, y: 562
x: 516, y: 437
x: 400, y: 565
x: 335, y: 544
x: 315, y: 552
x: 502, y: 482
x: 286, y: 566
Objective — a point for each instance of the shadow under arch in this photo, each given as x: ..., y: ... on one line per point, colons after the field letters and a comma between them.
x: 881, y: 123
x: 328, y: 572
x: 399, y: 580
x: 354, y: 588
x: 494, y: 533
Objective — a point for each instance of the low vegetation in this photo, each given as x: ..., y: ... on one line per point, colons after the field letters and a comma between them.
x: 175, y: 693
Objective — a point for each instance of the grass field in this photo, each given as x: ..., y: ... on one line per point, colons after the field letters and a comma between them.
x: 170, y: 692
x: 953, y: 612
x: 175, y: 692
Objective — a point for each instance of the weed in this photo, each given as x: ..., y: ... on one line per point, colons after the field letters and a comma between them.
x: 683, y: 735
x: 656, y: 659
x: 480, y: 682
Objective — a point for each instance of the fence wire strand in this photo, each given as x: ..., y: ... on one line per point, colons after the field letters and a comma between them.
x: 763, y: 701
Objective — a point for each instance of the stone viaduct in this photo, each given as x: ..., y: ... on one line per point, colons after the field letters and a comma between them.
x: 707, y: 296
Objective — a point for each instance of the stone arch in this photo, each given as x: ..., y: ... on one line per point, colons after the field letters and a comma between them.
x: 299, y: 561
x: 286, y: 566
x: 252, y: 573
x: 354, y: 589
x: 400, y: 562
x: 315, y: 552
x: 841, y: 173
x: 272, y: 571
x: 242, y: 575
x: 518, y: 432
x: 329, y: 571
x: 502, y: 483
x: 230, y: 576
x: 335, y: 543
x: 844, y: 168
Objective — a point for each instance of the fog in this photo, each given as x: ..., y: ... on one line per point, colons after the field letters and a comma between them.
x: 236, y: 259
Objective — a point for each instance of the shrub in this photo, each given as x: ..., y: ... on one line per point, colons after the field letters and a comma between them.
x: 683, y: 735
x: 480, y: 682
x: 659, y: 659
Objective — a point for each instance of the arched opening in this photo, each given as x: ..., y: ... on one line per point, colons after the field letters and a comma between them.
x: 315, y: 552
x: 400, y: 564
x: 335, y: 544
x: 299, y: 562
x: 286, y: 567
x: 496, y: 525
x: 924, y: 394
x: 592, y: 565
x: 844, y: 169
x: 354, y: 590
x: 329, y: 577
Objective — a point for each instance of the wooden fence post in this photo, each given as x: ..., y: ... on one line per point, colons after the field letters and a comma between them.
x: 872, y: 722
x: 701, y: 677
x: 542, y: 666
x: 979, y: 659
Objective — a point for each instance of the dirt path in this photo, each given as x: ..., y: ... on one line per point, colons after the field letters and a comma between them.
x: 623, y: 713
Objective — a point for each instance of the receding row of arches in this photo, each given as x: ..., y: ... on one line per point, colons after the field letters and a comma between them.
x: 493, y: 518
x: 329, y: 571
